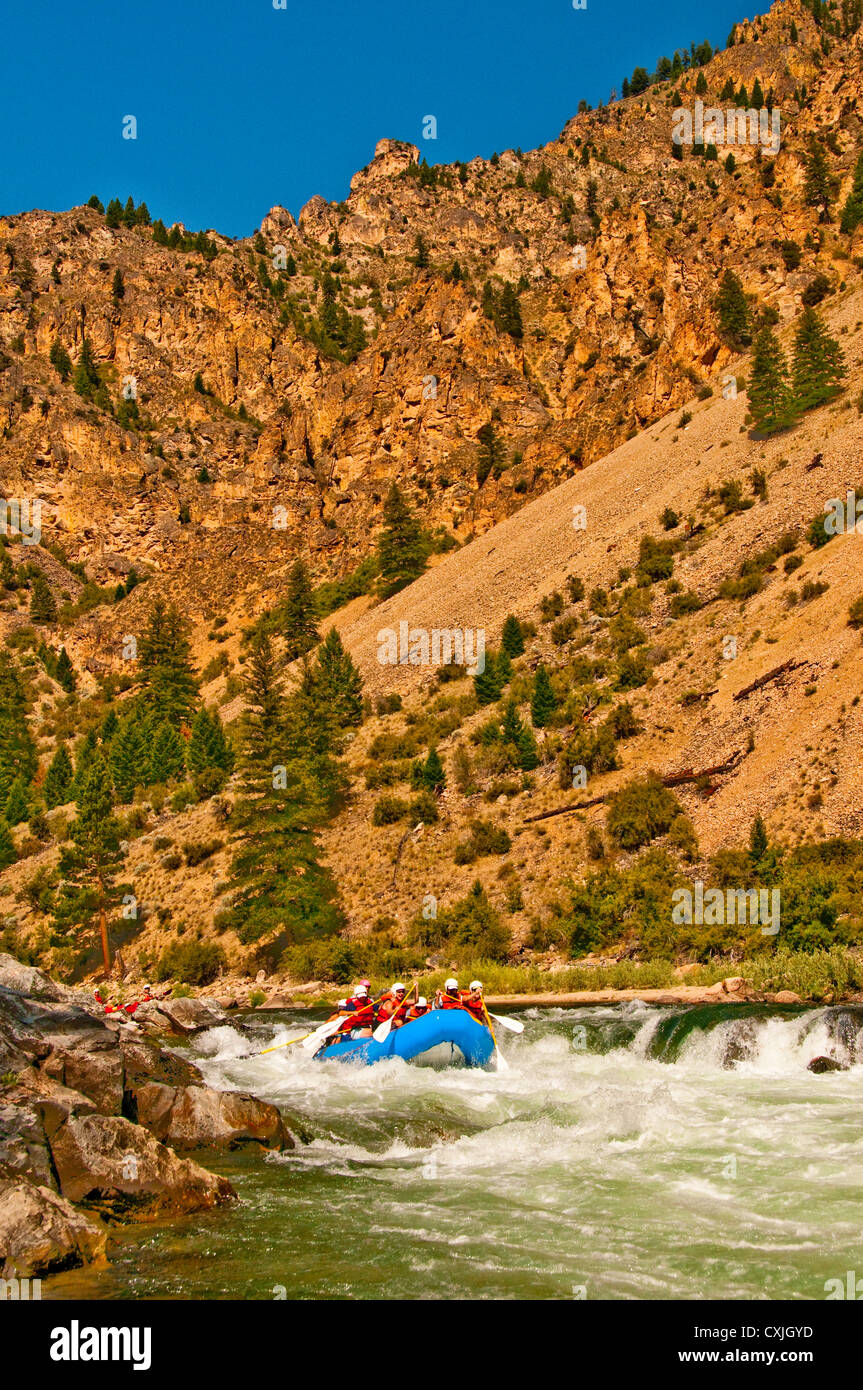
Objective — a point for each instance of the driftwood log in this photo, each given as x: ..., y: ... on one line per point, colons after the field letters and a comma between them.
x: 671, y: 779
x: 769, y: 676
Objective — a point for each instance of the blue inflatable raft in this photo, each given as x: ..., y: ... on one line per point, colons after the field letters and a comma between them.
x: 444, y: 1037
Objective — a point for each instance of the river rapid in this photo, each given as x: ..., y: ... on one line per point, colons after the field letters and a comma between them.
x: 630, y: 1152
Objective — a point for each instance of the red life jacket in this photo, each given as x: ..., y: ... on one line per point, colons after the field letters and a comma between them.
x: 415, y: 1012
x: 474, y: 1006
x: 389, y: 1005
x: 361, y: 1016
x: 450, y: 1001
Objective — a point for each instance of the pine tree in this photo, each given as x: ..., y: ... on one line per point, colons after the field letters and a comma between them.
x: 758, y: 841
x: 60, y: 360
x: 298, y: 614
x: 512, y: 637
x: 276, y: 880
x: 488, y: 683
x: 402, y: 552
x: 818, y: 186
x: 118, y: 287
x: 544, y: 701
x: 114, y: 213
x: 65, y: 674
x: 757, y: 95
x: 509, y: 313
x: 770, y: 399
x: 17, y: 749
x: 109, y: 727
x: 818, y: 365
x: 330, y: 698
x: 491, y: 454
x: 8, y: 853
x: 85, y: 753
x: 421, y: 256
x: 86, y: 379
x: 90, y: 866
x: 527, y: 750
x: 58, y: 779
x: 130, y: 755
x: 15, y: 809
x: 129, y: 216
x: 433, y: 776
x: 852, y: 212
x: 167, y: 755
x: 208, y: 747
x: 170, y: 687
x: 43, y: 608
x: 512, y: 724
x: 733, y: 311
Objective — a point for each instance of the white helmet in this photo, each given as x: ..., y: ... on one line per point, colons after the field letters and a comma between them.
x: 422, y: 1002
x: 343, y: 1003
x: 398, y: 988
x: 361, y: 992
x: 476, y: 984
x: 451, y: 984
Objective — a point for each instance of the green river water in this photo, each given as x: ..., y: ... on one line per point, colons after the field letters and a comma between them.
x: 630, y: 1152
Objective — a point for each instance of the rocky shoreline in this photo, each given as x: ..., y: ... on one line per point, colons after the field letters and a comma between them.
x: 94, y: 1115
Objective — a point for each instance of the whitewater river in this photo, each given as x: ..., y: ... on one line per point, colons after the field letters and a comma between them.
x: 629, y: 1152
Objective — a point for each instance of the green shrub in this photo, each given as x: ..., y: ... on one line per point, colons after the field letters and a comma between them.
x: 855, y: 613
x: 389, y: 809
x: 191, y: 962
x: 641, y: 811
x: 197, y: 853
x: 485, y: 838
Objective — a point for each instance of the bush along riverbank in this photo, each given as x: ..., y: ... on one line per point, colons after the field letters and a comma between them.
x: 93, y: 1118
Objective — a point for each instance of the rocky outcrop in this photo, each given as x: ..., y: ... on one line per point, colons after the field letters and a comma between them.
x: 120, y: 1169
x: 192, y: 1117
x: 41, y: 1233
x: 818, y: 1065
x: 90, y: 1113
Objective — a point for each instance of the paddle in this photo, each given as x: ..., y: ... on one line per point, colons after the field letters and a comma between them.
x: 512, y: 1024
x: 383, y: 1030
x: 502, y: 1063
x: 290, y: 1043
x: 311, y: 1042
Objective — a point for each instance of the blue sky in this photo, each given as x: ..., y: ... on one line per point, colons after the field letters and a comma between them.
x: 240, y: 106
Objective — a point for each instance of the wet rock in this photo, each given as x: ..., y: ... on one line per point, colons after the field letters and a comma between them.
x: 95, y: 1070
x: 181, y: 1016
x: 201, y: 1118
x: 23, y: 1151
x: 119, y: 1168
x: 822, y: 1064
x: 41, y: 1232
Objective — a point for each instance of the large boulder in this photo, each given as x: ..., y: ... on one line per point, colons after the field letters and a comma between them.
x: 193, y: 1117
x: 120, y: 1169
x: 182, y: 1017
x: 23, y: 1150
x: 819, y: 1065
x: 40, y: 1232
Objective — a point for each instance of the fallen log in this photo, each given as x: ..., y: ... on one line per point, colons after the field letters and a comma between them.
x: 671, y: 779
x: 769, y: 676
